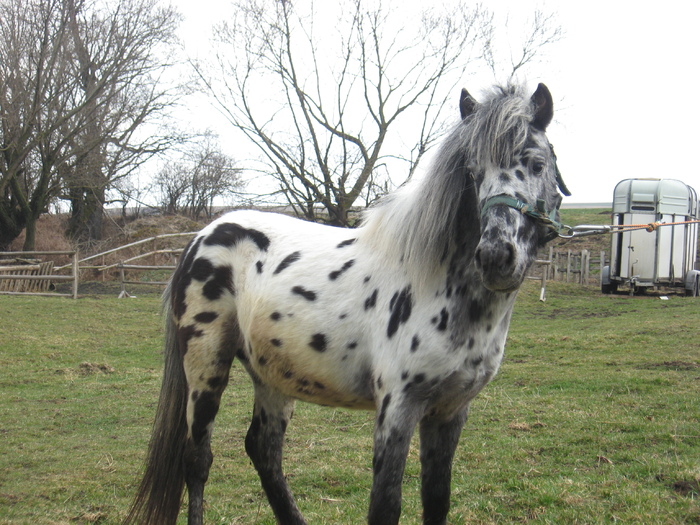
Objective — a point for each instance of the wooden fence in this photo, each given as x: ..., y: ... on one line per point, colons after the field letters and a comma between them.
x: 582, y: 267
x: 21, y: 275
x: 126, y: 268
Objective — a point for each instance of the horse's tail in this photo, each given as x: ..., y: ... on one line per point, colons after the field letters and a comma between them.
x: 160, y: 494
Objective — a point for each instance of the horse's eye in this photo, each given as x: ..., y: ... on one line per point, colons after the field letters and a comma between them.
x: 537, y: 167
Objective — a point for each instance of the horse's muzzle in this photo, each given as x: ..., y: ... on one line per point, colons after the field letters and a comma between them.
x: 497, y: 262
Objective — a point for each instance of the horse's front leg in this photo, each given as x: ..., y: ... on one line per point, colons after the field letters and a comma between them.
x: 394, y: 427
x: 264, y: 442
x: 438, y: 441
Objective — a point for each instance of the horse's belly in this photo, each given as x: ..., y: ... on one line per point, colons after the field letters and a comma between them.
x: 307, y: 360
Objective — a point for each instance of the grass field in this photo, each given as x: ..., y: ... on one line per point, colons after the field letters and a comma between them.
x: 593, y: 418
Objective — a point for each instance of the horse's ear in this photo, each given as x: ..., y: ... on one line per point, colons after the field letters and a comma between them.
x: 544, y: 107
x: 467, y: 104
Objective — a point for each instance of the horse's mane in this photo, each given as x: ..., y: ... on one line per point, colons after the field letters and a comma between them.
x: 429, y: 217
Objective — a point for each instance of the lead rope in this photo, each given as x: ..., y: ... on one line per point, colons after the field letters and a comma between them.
x: 584, y: 230
x: 540, y: 214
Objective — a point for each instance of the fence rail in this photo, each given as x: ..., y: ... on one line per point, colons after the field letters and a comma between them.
x: 35, y: 278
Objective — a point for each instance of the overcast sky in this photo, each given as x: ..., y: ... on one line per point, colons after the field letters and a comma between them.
x: 624, y: 80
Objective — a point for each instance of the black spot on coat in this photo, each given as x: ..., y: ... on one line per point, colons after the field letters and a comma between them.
x: 289, y: 259
x: 182, y: 277
x: 371, y: 301
x: 202, y: 269
x: 318, y: 342
x: 345, y: 243
x: 205, y: 409
x: 382, y: 412
x: 337, y: 273
x: 206, y: 317
x: 216, y: 382
x: 228, y: 235
x: 444, y: 316
x: 476, y: 310
x: 306, y: 294
x: 185, y: 333
x: 222, y: 281
x: 400, y: 308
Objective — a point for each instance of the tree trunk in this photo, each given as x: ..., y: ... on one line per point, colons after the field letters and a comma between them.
x: 30, y: 235
x: 11, y: 225
x: 87, y: 209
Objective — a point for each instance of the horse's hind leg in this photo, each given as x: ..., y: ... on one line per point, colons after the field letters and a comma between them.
x: 208, y: 353
x: 263, y: 443
x: 438, y: 441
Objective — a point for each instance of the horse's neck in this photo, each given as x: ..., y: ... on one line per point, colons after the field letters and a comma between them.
x: 425, y: 230
x: 470, y: 297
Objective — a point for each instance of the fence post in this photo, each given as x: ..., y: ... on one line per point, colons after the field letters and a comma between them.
x: 602, y: 265
x: 76, y: 274
x: 543, y: 283
x: 123, y: 293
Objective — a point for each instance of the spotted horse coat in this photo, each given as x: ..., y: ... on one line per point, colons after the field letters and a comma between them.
x: 406, y: 315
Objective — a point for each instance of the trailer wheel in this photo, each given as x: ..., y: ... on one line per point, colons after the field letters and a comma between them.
x: 694, y: 291
x: 608, y: 288
x: 606, y: 285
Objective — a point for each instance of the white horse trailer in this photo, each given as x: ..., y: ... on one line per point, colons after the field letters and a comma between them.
x: 665, y: 256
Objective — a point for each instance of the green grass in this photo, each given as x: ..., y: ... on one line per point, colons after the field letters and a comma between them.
x: 593, y: 418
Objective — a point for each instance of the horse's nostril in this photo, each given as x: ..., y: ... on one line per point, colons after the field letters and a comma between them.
x: 510, y: 258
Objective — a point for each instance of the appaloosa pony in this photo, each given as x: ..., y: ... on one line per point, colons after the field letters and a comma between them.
x: 406, y: 315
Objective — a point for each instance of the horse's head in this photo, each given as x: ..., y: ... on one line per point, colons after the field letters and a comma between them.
x: 516, y: 180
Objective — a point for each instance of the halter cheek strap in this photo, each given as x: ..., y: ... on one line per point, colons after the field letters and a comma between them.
x: 538, y: 212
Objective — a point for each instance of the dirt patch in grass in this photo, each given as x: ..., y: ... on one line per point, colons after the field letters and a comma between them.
x: 671, y: 365
x: 87, y: 369
x: 689, y: 489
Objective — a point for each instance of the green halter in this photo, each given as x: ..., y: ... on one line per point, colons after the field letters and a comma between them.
x: 538, y: 212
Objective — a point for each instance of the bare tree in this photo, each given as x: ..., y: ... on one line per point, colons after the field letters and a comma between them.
x: 171, y: 185
x: 331, y: 107
x: 533, y: 37
x: 323, y: 104
x: 191, y: 184
x: 31, y: 68
x: 129, y: 44
x: 84, y: 78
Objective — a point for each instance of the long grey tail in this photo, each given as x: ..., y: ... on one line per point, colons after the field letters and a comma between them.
x: 159, y: 495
